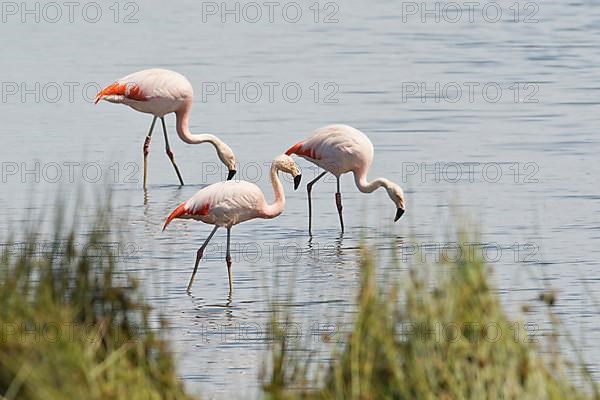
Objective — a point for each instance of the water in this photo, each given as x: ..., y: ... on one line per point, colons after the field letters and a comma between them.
x: 366, y: 70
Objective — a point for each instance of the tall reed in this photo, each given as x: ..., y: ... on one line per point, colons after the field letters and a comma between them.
x: 417, y: 340
x: 72, y: 325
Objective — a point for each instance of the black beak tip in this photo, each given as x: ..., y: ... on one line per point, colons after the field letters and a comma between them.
x: 297, y: 180
x: 231, y: 174
x: 399, y: 213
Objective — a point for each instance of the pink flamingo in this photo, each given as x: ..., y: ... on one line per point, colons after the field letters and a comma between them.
x: 339, y: 149
x: 230, y: 203
x: 160, y: 92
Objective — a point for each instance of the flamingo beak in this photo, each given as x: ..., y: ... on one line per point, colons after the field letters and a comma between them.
x: 399, y: 213
x: 297, y: 180
x: 231, y: 174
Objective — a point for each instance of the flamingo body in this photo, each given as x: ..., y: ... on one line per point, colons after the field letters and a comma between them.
x: 225, y: 204
x: 152, y: 91
x: 339, y: 149
x: 160, y: 92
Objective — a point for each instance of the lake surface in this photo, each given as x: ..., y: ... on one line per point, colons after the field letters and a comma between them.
x: 490, y: 116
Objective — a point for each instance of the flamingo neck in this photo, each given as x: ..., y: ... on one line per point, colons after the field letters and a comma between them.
x: 275, y: 209
x: 183, y: 130
x: 360, y: 178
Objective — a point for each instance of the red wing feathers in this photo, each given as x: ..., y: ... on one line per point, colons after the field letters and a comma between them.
x: 128, y: 90
x: 299, y: 150
x: 179, y: 211
x: 182, y: 210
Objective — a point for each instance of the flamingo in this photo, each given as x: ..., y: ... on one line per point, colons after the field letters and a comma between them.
x: 339, y: 149
x: 160, y: 92
x: 225, y: 204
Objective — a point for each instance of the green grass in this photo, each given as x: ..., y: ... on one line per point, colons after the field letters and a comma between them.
x: 72, y: 327
x: 391, y: 352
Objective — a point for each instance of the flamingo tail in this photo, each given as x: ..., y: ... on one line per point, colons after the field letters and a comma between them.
x: 128, y: 90
x: 305, y: 152
x: 180, y: 210
x: 294, y: 149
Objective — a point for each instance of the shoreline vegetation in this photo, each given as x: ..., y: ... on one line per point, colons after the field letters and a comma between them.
x: 98, y: 343
x: 73, y: 326
x: 482, y: 354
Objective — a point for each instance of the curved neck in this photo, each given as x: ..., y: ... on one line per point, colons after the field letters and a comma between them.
x: 360, y: 178
x: 273, y: 210
x: 183, y: 129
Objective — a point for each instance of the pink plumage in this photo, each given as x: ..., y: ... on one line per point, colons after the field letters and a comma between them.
x: 339, y: 149
x: 225, y: 204
x: 153, y: 91
x: 160, y: 92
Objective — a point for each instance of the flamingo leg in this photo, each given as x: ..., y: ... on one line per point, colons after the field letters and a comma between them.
x: 308, y: 191
x: 147, y: 150
x: 228, y: 258
x: 199, y: 256
x: 169, y: 152
x: 338, y: 203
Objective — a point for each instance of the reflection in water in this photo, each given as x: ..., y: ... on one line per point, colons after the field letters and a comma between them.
x: 228, y: 308
x: 338, y: 245
x: 165, y: 205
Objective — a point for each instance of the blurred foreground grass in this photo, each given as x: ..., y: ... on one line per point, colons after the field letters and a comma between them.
x: 459, y: 344
x: 71, y: 327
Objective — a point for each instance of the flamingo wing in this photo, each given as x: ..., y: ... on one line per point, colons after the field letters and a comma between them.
x: 145, y: 85
x: 336, y: 148
x: 187, y: 209
x: 303, y: 149
x: 223, y: 203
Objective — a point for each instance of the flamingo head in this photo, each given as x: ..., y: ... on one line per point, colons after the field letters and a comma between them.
x: 397, y: 195
x: 287, y: 164
x: 228, y: 158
